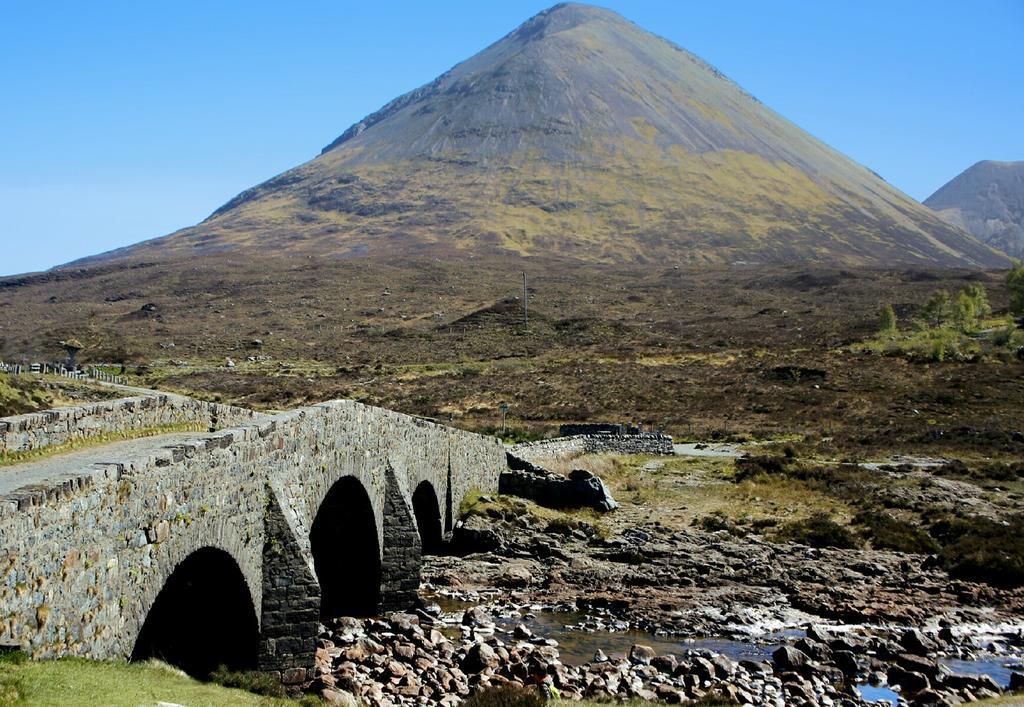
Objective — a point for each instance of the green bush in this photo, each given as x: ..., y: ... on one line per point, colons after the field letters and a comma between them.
x: 718, y: 521
x: 819, y: 530
x: 508, y: 695
x: 1015, y: 286
x: 887, y: 532
x: 887, y: 321
x: 982, y: 549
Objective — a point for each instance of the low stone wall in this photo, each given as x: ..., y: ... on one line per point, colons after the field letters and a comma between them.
x: 594, y: 428
x: 577, y: 445
x: 22, y: 433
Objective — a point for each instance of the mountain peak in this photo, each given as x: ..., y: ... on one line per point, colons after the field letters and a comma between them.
x: 986, y: 200
x: 564, y: 16
x: 581, y: 135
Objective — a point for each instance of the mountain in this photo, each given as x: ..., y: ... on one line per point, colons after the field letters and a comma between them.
x: 987, y: 201
x: 581, y: 136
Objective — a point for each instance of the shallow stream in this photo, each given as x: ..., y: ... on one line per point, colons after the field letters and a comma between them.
x: 577, y: 644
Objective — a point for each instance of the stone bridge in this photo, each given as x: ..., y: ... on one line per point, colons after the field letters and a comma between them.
x: 224, y: 536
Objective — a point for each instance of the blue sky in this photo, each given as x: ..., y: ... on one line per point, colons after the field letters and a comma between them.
x: 121, y: 121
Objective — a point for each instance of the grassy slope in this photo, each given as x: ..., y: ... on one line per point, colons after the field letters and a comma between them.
x: 73, y: 681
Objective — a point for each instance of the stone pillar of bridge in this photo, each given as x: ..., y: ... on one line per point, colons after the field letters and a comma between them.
x: 402, y: 555
x: 291, y: 602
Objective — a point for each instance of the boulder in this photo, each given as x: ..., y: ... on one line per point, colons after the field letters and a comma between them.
x: 479, y: 657
x: 918, y: 664
x: 476, y: 535
x: 914, y: 641
x: 337, y: 696
x: 909, y: 680
x: 665, y: 663
x: 789, y: 658
x: 641, y: 654
x: 476, y: 617
x: 514, y: 576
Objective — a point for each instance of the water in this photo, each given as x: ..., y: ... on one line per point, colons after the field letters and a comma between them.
x: 871, y: 693
x: 577, y: 645
x: 995, y: 668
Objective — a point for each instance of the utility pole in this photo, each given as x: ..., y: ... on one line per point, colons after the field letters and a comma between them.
x: 526, y: 306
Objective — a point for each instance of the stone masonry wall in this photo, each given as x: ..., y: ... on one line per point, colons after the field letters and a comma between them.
x: 82, y: 562
x: 81, y: 565
x: 566, y: 447
x: 53, y: 427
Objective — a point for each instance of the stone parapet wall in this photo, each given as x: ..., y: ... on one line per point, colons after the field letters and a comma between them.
x: 83, y: 559
x: 82, y: 567
x: 36, y: 430
x: 566, y: 447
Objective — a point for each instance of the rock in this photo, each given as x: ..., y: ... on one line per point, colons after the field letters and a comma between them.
x: 933, y: 698
x: 790, y: 658
x: 600, y: 657
x: 909, y: 680
x: 1016, y: 682
x: 476, y: 535
x: 641, y: 655
x: 724, y: 666
x: 847, y: 662
x: 362, y: 649
x: 918, y: 664
x: 514, y: 576
x: 960, y: 681
x: 914, y: 641
x: 580, y: 475
x: 476, y: 618
x: 338, y: 697
x: 818, y: 633
x: 665, y: 663
x: 479, y: 657
x: 669, y: 694
x: 521, y: 632
x: 817, y: 651
x: 703, y: 668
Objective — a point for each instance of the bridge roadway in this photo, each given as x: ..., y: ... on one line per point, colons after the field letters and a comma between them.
x: 56, y: 469
x: 226, y: 547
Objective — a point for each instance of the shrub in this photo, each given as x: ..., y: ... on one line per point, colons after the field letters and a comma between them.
x: 747, y: 467
x: 1004, y: 335
x: 508, y: 695
x: 983, y: 549
x: 886, y: 532
x: 936, y: 310
x: 1015, y: 285
x: 818, y: 530
x: 718, y: 521
x: 887, y: 321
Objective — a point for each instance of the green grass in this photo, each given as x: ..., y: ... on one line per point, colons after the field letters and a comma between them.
x: 78, y: 443
x: 75, y: 681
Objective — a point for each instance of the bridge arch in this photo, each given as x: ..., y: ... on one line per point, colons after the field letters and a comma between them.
x: 346, y: 552
x: 427, y: 509
x: 202, y: 618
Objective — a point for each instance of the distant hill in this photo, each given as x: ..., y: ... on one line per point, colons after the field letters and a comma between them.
x: 986, y: 200
x: 580, y: 135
